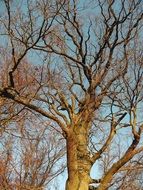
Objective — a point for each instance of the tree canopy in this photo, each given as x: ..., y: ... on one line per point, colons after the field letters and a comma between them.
x: 78, y: 67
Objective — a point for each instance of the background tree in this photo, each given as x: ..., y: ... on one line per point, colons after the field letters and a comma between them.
x: 31, y: 157
x: 90, y: 81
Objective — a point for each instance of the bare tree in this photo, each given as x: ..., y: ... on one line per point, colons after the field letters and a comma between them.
x: 90, y: 81
x: 30, y: 157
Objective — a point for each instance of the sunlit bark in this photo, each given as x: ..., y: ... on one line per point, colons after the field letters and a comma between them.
x: 88, y: 67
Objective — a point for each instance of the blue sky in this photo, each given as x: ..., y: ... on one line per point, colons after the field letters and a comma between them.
x: 35, y: 58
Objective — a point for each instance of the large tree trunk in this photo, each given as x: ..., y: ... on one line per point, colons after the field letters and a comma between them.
x: 78, y: 160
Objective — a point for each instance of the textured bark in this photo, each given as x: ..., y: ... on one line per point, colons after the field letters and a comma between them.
x: 73, y: 179
x: 78, y: 159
